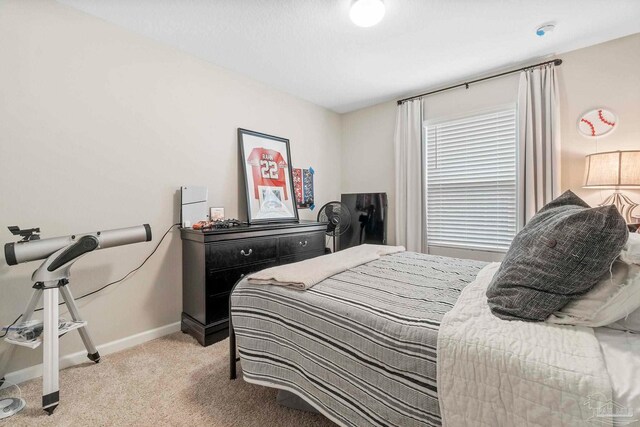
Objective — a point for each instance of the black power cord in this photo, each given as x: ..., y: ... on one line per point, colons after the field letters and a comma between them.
x: 6, y: 331
x: 108, y: 284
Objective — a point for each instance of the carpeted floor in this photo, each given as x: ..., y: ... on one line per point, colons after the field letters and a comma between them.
x: 169, y: 381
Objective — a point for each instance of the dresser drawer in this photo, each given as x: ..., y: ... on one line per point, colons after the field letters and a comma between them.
x: 297, y: 243
x: 241, y: 252
x: 219, y: 282
x: 300, y: 257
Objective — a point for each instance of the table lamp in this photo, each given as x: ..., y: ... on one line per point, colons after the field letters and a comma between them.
x: 614, y: 170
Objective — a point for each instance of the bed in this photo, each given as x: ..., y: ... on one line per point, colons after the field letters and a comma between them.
x: 360, y: 346
x: 514, y: 341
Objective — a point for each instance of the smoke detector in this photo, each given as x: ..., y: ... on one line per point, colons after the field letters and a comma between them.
x: 544, y: 29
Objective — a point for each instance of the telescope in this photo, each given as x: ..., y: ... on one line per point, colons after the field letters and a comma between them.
x: 51, y: 278
x: 32, y: 247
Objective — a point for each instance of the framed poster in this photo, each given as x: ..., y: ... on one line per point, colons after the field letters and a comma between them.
x: 266, y: 164
x: 303, y: 186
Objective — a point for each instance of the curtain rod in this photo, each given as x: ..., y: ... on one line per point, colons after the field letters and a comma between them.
x: 466, y: 84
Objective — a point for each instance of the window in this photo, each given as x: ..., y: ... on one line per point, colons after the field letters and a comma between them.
x: 471, y: 181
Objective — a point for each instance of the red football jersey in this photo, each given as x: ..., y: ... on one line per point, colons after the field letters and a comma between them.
x: 269, y: 169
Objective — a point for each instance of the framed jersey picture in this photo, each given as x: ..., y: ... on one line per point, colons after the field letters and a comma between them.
x: 266, y: 164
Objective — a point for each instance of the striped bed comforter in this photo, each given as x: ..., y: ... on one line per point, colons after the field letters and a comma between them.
x: 359, y: 346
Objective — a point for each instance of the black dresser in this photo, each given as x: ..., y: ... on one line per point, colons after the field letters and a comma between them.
x: 213, y: 261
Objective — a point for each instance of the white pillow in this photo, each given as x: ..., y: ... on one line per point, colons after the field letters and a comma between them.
x: 631, y: 251
x: 630, y: 323
x: 630, y: 254
x: 616, y: 296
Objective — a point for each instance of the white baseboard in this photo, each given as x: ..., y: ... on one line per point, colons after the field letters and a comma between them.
x: 73, y: 359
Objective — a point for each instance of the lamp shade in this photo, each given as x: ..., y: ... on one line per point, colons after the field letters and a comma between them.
x: 615, y: 169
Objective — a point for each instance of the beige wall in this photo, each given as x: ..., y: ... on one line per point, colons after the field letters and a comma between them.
x: 605, y: 75
x: 367, y: 157
x: 601, y: 75
x: 99, y: 127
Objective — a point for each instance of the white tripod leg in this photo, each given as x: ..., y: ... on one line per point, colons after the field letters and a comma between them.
x: 50, y: 388
x: 26, y: 316
x: 92, y: 352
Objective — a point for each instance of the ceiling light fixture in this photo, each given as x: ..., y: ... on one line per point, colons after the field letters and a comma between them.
x: 367, y: 13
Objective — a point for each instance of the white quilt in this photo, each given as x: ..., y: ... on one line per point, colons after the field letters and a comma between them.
x: 493, y: 372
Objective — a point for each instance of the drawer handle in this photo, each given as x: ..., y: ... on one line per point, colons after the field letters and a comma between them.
x: 242, y: 252
x: 303, y: 244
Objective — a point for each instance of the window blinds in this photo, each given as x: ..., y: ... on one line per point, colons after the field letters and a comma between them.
x: 471, y: 181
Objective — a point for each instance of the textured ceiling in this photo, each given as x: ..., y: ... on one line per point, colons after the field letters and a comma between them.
x: 310, y: 49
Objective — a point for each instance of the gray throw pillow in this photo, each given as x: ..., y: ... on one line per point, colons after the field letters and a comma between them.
x: 560, y: 254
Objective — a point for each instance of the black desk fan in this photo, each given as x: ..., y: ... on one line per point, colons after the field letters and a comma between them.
x: 338, y: 219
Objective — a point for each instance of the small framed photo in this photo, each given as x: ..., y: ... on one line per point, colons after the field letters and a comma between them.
x: 266, y: 164
x: 216, y: 214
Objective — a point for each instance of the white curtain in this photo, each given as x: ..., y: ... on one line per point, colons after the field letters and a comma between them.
x: 539, y: 141
x: 410, y: 205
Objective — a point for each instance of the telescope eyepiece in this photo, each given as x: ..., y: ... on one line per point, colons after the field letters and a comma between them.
x: 27, y: 234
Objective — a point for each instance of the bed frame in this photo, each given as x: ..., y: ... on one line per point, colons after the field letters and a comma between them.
x: 233, y: 351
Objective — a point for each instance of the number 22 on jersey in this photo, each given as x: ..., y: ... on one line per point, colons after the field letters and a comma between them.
x: 269, y: 169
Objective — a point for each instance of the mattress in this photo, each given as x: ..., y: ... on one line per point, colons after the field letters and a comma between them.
x: 359, y: 346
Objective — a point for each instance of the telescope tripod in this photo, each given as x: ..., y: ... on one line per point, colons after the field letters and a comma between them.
x: 50, y: 335
x: 50, y: 278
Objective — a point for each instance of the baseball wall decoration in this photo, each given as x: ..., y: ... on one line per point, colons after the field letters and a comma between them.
x: 597, y: 123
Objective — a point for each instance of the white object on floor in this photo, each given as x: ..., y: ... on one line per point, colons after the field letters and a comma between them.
x: 621, y: 351
x: 11, y: 401
x: 304, y: 274
x: 498, y: 372
x: 11, y: 406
